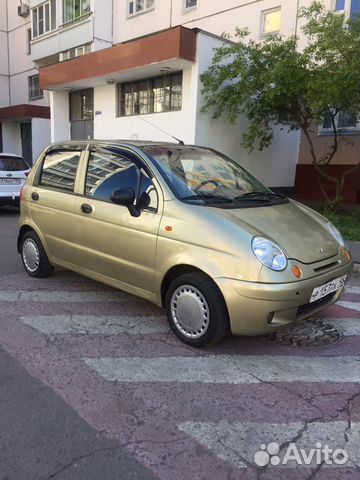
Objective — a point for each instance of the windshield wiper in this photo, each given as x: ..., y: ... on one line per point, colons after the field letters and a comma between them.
x: 259, y: 196
x: 207, y: 196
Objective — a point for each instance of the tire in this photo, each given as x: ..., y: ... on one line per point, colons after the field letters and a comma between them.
x: 195, y: 293
x: 34, y: 258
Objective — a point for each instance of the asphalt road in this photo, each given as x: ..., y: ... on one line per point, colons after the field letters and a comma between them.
x: 41, y: 436
x: 94, y: 386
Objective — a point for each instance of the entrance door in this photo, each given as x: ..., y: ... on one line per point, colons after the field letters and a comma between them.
x: 82, y: 114
x: 26, y: 142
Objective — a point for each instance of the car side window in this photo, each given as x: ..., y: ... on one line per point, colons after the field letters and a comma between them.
x: 59, y: 170
x: 108, y: 172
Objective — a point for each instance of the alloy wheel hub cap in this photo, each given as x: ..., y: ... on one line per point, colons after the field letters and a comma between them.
x: 31, y: 255
x: 190, y: 311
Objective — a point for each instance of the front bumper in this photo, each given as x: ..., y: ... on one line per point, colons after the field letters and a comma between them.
x: 260, y: 308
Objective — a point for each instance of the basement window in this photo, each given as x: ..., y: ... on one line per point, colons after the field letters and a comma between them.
x: 345, y: 122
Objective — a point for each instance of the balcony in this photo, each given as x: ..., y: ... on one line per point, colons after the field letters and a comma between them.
x: 67, y: 36
x: 63, y: 25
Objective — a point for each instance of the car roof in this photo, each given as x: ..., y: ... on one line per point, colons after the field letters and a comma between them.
x: 12, y: 155
x: 112, y: 142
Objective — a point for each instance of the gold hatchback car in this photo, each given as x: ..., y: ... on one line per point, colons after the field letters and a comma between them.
x: 184, y: 227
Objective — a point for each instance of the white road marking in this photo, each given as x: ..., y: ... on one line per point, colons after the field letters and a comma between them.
x: 96, y: 325
x: 237, y: 443
x: 228, y: 369
x: 351, y: 305
x: 352, y: 289
x: 349, y: 326
x: 43, y: 296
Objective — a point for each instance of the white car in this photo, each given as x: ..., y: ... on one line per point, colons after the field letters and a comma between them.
x: 13, y: 173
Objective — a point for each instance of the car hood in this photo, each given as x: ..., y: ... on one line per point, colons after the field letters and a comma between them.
x: 299, y: 233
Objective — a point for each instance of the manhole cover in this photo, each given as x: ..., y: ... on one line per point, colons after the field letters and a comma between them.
x: 307, y: 333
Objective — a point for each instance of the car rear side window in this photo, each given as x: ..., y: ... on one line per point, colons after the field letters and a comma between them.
x: 59, y: 170
x: 12, y: 164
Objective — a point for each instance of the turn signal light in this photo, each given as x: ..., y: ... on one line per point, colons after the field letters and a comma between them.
x: 347, y: 255
x: 296, y: 271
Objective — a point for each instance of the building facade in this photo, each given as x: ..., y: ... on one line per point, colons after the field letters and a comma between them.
x: 24, y: 106
x: 131, y: 69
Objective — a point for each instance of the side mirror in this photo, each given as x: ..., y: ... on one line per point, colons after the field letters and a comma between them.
x: 126, y: 197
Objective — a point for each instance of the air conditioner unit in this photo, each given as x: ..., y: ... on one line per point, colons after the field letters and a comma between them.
x: 23, y: 10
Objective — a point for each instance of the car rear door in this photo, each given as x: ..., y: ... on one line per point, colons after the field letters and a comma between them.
x: 113, y: 242
x: 52, y: 202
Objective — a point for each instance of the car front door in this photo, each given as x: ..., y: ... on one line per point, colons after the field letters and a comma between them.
x: 113, y: 242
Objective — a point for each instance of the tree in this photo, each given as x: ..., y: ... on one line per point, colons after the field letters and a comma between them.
x: 275, y: 82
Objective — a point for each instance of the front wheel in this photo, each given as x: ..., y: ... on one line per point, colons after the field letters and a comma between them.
x: 34, y: 258
x: 196, y: 310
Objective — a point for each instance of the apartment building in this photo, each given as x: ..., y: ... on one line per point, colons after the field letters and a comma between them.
x: 24, y: 106
x: 131, y: 69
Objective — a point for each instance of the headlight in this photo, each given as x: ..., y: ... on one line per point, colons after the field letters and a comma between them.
x: 335, y: 233
x: 269, y: 253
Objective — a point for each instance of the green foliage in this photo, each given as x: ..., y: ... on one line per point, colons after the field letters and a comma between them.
x: 276, y: 82
x: 348, y: 222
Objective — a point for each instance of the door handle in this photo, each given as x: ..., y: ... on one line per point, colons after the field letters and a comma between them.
x: 35, y: 196
x: 86, y: 208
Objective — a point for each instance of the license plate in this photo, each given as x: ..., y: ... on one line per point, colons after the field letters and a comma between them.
x: 10, y: 181
x: 330, y: 287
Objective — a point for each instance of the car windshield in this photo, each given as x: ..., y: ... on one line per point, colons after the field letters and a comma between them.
x: 12, y: 164
x: 201, y: 174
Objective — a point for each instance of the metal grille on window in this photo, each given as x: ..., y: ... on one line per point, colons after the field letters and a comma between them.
x: 155, y: 95
x: 35, y: 92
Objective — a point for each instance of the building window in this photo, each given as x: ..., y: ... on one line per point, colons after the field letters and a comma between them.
x: 270, y: 21
x: 35, y: 92
x: 138, y: 6
x: 75, y: 9
x: 344, y: 121
x: 352, y: 7
x: 189, y: 4
x: 154, y: 95
x: 44, y: 18
x: 75, y: 52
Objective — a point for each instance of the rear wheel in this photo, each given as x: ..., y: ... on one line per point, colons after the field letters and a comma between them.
x: 196, y: 310
x: 34, y: 258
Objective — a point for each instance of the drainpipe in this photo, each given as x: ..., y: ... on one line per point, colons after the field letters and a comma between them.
x: 297, y: 16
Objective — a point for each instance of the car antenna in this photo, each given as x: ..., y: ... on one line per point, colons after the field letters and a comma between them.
x: 180, y: 142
